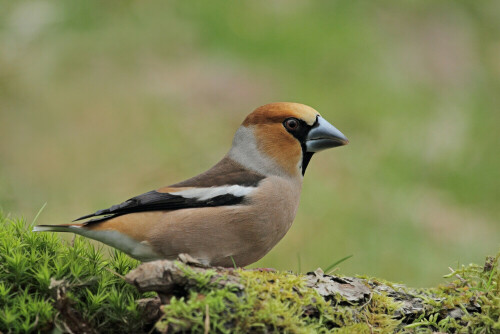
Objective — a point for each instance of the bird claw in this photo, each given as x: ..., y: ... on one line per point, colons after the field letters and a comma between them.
x: 189, y: 260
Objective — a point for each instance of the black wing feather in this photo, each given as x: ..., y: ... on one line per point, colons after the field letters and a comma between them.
x: 157, y: 201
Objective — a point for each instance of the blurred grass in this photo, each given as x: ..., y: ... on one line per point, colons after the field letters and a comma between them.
x: 102, y: 101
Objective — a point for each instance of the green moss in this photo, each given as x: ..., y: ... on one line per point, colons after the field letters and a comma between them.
x: 30, y: 262
x: 281, y: 302
x: 276, y: 302
x: 475, y: 291
x: 270, y: 302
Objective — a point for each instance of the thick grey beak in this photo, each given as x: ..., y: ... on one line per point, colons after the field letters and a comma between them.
x: 324, y: 135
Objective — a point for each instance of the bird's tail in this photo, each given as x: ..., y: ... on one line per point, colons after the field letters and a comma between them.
x: 56, y: 228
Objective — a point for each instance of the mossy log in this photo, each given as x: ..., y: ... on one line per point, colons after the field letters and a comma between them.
x: 197, y: 299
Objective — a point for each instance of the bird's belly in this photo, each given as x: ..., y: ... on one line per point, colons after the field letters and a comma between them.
x: 243, y: 240
x: 221, y: 235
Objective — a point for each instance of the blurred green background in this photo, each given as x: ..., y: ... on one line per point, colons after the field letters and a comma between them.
x: 103, y: 100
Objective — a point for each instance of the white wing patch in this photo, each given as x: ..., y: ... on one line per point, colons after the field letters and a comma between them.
x: 203, y: 194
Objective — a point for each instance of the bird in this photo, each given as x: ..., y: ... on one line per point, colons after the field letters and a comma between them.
x: 232, y: 214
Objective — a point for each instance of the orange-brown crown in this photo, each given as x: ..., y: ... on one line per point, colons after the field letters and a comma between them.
x: 277, y: 112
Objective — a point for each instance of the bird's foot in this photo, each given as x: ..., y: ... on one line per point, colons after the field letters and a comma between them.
x: 189, y: 260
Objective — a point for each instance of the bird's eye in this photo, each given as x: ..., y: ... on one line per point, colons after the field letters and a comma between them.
x: 291, y: 124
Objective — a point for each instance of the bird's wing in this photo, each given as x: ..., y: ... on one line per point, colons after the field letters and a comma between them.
x: 190, y: 198
x: 227, y: 183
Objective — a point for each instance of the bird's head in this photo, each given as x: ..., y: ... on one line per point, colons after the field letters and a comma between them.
x: 280, y: 138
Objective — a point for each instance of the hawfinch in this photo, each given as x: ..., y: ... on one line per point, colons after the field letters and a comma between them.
x: 237, y: 210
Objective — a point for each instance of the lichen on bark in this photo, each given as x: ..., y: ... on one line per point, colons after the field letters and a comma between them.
x: 221, y: 300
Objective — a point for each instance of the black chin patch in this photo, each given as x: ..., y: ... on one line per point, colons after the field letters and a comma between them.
x: 306, y: 158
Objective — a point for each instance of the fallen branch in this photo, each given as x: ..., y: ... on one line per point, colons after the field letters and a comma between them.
x: 344, y: 301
